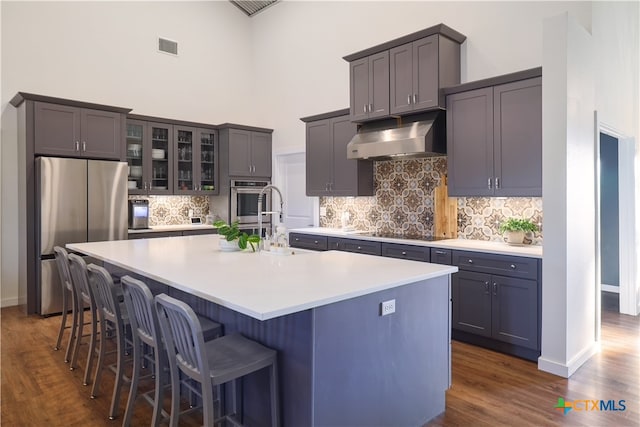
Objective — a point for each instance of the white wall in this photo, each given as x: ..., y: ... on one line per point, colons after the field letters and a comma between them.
x: 106, y: 52
x: 568, y: 276
x: 298, y: 47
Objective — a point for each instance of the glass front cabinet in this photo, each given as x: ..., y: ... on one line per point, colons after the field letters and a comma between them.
x: 149, y: 148
x: 195, y: 160
x: 167, y: 159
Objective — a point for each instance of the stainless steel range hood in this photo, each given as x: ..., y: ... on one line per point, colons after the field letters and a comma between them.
x: 423, y: 138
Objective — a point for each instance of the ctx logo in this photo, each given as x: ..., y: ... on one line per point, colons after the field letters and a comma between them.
x: 590, y: 405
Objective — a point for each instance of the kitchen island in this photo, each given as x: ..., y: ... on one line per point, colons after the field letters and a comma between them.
x: 341, y: 361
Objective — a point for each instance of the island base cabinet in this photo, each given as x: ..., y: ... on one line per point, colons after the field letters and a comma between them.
x: 345, y: 364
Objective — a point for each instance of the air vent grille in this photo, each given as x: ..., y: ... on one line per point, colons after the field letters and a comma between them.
x: 168, y: 46
x: 251, y: 7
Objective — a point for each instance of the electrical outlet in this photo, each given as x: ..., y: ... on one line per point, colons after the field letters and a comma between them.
x: 387, y: 307
x: 323, y: 211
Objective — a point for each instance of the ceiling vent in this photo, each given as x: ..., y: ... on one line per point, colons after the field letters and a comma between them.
x: 251, y: 7
x: 168, y: 46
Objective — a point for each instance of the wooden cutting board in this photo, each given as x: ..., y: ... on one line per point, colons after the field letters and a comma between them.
x: 445, y: 212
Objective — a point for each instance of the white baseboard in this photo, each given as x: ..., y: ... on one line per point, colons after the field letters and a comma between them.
x: 566, y: 370
x: 9, y: 302
x: 611, y: 288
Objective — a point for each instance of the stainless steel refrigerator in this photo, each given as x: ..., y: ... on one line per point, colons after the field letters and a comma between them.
x: 77, y: 200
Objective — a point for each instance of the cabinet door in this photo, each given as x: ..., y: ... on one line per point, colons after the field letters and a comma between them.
x: 345, y: 171
x: 379, y: 85
x: 261, y: 154
x: 160, y: 167
x: 184, y: 159
x: 401, y: 78
x: 57, y: 130
x: 515, y: 311
x: 137, y: 144
x: 470, y: 143
x: 425, y: 73
x: 100, y: 134
x: 471, y: 302
x: 239, y: 153
x: 207, y: 161
x: 319, y: 157
x: 359, y: 89
x: 518, y: 138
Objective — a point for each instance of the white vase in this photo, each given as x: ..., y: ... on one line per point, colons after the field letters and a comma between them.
x: 514, y: 237
x: 227, y: 246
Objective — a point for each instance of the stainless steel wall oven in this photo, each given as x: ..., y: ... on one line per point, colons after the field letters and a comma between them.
x: 244, y: 202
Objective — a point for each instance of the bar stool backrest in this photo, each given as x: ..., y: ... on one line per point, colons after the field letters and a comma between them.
x: 78, y: 269
x: 101, y: 282
x: 62, y: 261
x: 142, y: 314
x: 182, y: 333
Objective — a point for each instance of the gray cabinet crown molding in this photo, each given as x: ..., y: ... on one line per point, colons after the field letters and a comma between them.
x: 21, y: 97
x: 494, y: 81
x: 441, y: 29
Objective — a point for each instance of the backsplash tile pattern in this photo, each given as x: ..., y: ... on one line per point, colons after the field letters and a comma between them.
x: 174, y: 210
x: 403, y: 204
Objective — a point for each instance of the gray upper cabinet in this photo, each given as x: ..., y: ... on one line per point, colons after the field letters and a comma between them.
x: 63, y: 130
x: 369, y: 83
x: 414, y: 76
x: 328, y: 171
x: 405, y: 75
x: 494, y: 139
x: 249, y: 153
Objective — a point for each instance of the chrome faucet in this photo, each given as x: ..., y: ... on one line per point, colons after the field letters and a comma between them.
x: 261, y: 212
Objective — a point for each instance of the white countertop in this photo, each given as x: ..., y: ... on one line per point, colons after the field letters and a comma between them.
x: 180, y: 227
x: 261, y: 285
x: 531, y: 251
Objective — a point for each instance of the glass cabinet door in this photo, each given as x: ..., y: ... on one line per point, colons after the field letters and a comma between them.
x: 207, y: 161
x: 135, y: 151
x: 160, y: 170
x: 184, y: 153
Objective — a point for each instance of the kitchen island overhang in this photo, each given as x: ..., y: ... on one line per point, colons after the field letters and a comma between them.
x: 341, y: 362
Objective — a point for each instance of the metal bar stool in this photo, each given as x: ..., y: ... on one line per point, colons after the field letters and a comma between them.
x: 113, y: 314
x: 146, y: 330
x: 84, y: 295
x: 213, y: 363
x: 62, y: 262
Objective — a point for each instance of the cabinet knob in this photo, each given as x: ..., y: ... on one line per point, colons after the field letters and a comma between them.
x: 364, y: 108
x: 84, y: 145
x: 488, y: 182
x: 441, y: 253
x: 470, y: 261
x: 486, y: 288
x: 370, y: 107
x: 404, y: 253
x: 495, y: 288
x: 409, y: 99
x: 415, y: 98
x: 296, y: 239
x: 359, y: 248
x: 497, y: 182
x: 315, y: 241
x: 513, y: 266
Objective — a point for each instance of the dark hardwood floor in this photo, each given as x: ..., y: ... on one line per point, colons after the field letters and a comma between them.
x: 489, y: 388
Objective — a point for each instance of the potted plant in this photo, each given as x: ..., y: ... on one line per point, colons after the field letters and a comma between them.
x: 234, y: 239
x: 514, y: 229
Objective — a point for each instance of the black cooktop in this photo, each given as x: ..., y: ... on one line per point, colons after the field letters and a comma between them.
x: 403, y: 236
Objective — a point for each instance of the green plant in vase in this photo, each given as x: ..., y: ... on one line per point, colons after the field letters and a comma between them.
x: 232, y: 233
x: 515, y: 229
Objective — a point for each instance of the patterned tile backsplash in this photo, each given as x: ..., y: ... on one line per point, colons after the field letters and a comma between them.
x: 403, y: 204
x: 174, y: 210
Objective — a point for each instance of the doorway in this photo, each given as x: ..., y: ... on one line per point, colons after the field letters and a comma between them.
x: 290, y: 176
x: 609, y: 214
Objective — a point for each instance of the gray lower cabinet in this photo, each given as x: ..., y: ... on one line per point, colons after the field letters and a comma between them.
x: 441, y: 256
x: 354, y: 245
x: 328, y: 171
x: 410, y: 252
x: 494, y: 139
x: 157, y: 234
x: 69, y: 131
x: 308, y: 241
x: 497, y: 297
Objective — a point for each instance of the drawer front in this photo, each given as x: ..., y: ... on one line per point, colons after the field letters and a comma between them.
x: 354, y: 245
x: 198, y: 232
x: 415, y: 253
x: 504, y: 265
x: 154, y: 235
x: 441, y: 256
x: 308, y: 241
